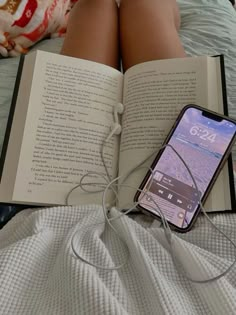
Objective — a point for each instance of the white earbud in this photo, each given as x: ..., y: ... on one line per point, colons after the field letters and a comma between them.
x: 116, y: 127
x: 119, y: 108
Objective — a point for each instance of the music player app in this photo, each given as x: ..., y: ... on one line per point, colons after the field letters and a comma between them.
x: 201, y: 142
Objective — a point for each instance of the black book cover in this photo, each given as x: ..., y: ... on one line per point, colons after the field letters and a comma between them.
x: 11, y: 115
x: 10, y: 118
x: 226, y: 112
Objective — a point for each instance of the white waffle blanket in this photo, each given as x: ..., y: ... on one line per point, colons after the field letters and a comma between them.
x: 39, y: 273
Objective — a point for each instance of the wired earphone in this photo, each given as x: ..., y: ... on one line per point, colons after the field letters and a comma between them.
x: 118, y: 182
x: 116, y: 126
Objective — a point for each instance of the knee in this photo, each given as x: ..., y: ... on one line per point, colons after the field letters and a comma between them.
x: 164, y: 10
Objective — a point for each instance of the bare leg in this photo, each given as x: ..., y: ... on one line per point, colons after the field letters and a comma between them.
x: 92, y: 32
x: 149, y: 31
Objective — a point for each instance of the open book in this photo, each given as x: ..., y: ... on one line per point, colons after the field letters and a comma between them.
x: 62, y: 111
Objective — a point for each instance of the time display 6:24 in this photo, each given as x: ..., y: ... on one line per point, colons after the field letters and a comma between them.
x: 203, y: 133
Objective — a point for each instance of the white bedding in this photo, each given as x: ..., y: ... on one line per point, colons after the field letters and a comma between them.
x: 40, y: 275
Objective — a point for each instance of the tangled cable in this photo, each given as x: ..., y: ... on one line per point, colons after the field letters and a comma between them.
x: 118, y: 182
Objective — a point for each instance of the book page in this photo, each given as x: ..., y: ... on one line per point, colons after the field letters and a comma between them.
x: 69, y: 117
x: 154, y: 94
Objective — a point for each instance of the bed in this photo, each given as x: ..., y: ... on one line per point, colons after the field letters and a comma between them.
x: 39, y: 273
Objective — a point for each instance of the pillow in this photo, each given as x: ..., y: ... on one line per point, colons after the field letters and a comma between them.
x: 25, y: 22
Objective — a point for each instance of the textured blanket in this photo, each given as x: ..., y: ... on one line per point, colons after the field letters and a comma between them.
x: 39, y: 274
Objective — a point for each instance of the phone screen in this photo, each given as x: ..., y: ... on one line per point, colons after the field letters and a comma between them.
x: 201, y: 140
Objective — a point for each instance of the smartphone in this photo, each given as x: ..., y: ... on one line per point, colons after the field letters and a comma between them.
x: 204, y: 140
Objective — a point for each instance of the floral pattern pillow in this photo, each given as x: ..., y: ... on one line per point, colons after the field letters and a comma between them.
x: 25, y: 22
